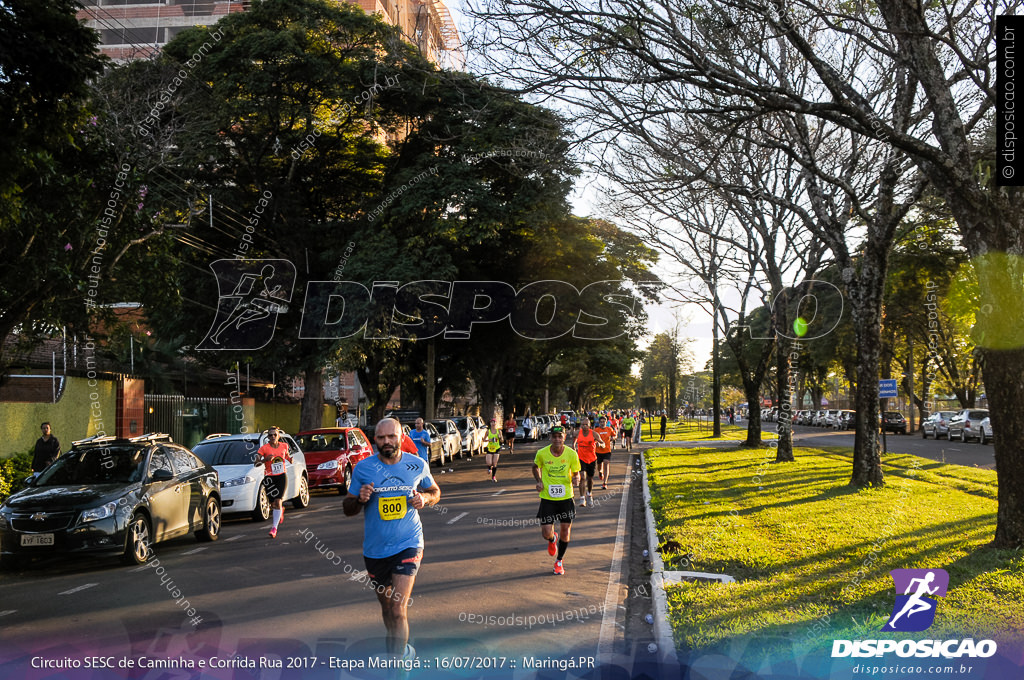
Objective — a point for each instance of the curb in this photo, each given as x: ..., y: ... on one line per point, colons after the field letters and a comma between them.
x: 667, y: 654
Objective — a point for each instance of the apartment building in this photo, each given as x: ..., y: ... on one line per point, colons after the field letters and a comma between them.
x: 137, y: 29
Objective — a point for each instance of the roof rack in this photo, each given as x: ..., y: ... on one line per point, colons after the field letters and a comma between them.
x: 215, y: 435
x: 95, y: 439
x: 152, y: 436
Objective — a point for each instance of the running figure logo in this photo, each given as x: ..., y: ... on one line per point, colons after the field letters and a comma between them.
x: 915, y: 611
x: 252, y: 294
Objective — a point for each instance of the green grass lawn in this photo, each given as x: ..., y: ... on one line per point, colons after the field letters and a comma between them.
x: 690, y: 430
x: 811, y: 556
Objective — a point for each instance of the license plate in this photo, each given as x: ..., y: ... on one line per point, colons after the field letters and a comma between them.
x: 36, y: 539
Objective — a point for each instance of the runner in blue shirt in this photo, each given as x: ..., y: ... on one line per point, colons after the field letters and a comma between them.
x: 392, y: 488
x: 422, y: 440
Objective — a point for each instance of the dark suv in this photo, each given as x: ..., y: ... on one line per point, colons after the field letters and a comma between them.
x: 112, y: 495
x: 893, y: 421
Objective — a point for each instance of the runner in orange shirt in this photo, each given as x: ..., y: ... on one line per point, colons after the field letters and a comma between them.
x: 606, y: 439
x: 586, y: 449
x: 275, y: 456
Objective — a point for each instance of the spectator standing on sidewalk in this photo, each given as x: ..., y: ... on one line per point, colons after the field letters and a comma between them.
x: 47, y: 449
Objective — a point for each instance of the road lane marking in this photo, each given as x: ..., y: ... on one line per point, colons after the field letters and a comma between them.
x: 455, y: 519
x: 144, y: 567
x: 499, y: 493
x: 233, y: 538
x: 75, y: 590
x: 954, y: 449
x: 7, y: 611
x: 195, y: 550
x: 609, y: 620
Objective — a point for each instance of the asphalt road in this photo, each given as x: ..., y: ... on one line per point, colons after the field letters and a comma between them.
x: 958, y: 453
x: 955, y: 452
x: 485, y: 591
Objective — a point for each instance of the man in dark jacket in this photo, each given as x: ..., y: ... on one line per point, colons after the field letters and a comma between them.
x: 47, y: 449
x: 664, y: 424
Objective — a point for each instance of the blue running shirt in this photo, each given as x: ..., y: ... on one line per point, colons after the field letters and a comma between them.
x: 390, y: 523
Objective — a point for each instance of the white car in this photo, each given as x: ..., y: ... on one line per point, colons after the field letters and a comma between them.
x: 451, y: 436
x: 474, y: 437
x: 241, y: 472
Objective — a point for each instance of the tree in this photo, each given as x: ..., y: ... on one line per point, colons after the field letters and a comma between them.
x: 938, y: 118
x: 55, y: 174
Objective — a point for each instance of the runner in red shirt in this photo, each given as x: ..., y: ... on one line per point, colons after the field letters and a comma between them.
x: 510, y: 432
x: 586, y: 449
x: 275, y: 479
x: 606, y: 439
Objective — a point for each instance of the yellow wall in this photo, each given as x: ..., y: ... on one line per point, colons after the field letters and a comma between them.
x: 69, y: 417
x: 327, y: 419
x: 285, y: 416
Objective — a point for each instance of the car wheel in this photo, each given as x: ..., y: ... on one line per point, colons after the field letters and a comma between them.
x: 210, y: 530
x: 302, y: 500
x: 346, y: 480
x: 981, y: 436
x: 261, y: 513
x: 963, y: 436
x: 136, y: 544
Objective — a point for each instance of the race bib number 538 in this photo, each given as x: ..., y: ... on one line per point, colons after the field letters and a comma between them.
x: 556, y: 490
x: 392, y: 507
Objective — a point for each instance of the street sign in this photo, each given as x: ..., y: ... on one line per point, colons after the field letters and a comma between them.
x: 887, y: 389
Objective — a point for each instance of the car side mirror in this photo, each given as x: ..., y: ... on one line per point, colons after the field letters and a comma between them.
x: 162, y: 475
x: 30, y: 480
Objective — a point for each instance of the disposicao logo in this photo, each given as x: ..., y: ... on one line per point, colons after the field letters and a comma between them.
x: 914, y: 611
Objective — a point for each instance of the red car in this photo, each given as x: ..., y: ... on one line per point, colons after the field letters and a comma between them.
x: 331, y: 453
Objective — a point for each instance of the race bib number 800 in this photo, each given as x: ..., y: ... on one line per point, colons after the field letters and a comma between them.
x: 392, y: 507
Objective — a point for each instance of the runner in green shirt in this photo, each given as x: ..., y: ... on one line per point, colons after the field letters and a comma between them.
x: 556, y: 468
x: 627, y: 431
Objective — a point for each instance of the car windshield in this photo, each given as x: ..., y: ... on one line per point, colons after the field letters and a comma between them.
x: 462, y: 424
x: 100, y: 465
x: 321, y: 442
x: 228, y: 452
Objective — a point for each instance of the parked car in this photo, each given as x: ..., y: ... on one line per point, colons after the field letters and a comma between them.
x: 526, y: 435
x: 331, y: 453
x: 451, y: 436
x: 543, y: 425
x: 985, y: 431
x: 844, y: 420
x: 830, y: 418
x: 474, y: 437
x: 112, y: 495
x: 893, y: 421
x: 937, y: 424
x: 967, y: 424
x: 235, y: 458
x: 436, y: 449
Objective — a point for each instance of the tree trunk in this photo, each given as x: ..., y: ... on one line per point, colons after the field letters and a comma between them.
x: 783, y: 346
x: 752, y: 391
x: 716, y: 388
x: 1004, y: 385
x: 866, y: 300
x: 312, y: 412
